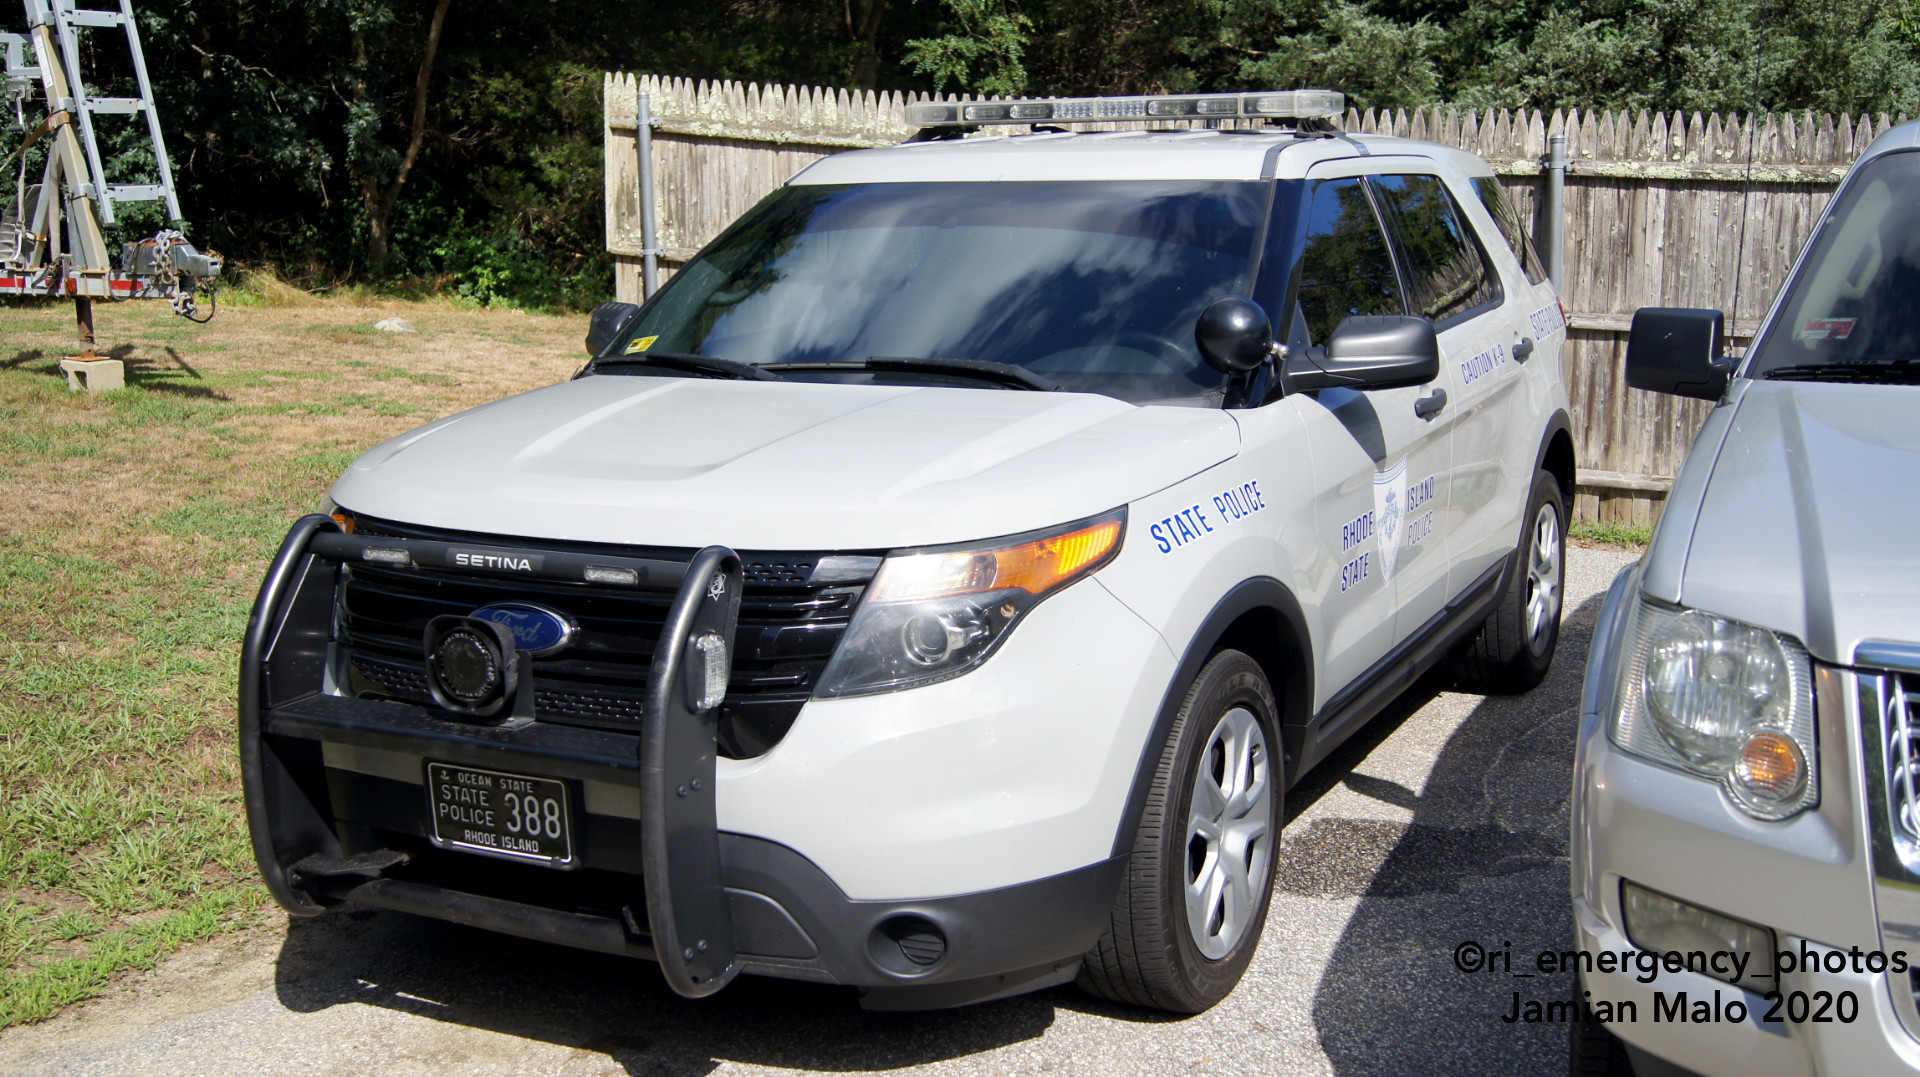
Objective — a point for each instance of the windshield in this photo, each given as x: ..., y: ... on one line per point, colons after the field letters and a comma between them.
x: 1092, y: 286
x: 1856, y: 301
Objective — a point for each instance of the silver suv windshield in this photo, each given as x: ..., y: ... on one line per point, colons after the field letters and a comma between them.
x: 1089, y: 286
x: 1852, y: 312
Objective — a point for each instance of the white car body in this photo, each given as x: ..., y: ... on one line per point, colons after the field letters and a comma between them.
x: 1029, y: 766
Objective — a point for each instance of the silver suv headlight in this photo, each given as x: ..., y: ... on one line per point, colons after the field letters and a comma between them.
x: 937, y: 612
x: 1726, y: 700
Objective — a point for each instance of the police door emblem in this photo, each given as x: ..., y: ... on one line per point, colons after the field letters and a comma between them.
x: 1389, y: 512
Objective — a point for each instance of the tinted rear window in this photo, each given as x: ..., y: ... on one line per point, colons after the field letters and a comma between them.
x: 1447, y: 277
x: 1500, y: 204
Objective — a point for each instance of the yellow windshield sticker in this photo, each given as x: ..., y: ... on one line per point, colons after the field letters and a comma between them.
x: 641, y: 344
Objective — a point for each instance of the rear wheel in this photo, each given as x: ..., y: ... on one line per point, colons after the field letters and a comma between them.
x: 1514, y: 648
x: 1189, y: 915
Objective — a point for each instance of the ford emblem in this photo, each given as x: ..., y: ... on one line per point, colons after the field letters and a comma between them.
x: 536, y: 630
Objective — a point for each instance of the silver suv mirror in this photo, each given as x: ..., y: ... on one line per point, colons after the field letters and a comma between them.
x: 1678, y: 350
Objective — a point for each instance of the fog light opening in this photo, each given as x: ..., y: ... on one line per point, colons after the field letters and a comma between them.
x: 907, y: 945
x: 1664, y: 925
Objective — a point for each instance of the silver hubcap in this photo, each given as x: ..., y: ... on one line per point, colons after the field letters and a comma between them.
x: 1543, y: 579
x: 1227, y: 833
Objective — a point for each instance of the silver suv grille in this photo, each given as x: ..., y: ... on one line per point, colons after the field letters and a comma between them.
x: 1896, y: 700
x: 1889, y: 701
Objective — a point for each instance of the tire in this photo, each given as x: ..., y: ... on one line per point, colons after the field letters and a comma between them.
x: 1153, y: 954
x: 1514, y: 648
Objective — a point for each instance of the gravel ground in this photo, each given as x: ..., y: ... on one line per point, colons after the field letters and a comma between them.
x: 1444, y: 820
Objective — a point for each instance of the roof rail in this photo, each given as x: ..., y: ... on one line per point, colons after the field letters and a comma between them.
x: 1263, y: 105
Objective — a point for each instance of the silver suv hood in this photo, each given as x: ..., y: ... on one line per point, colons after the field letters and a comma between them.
x: 1810, y: 520
x: 780, y: 466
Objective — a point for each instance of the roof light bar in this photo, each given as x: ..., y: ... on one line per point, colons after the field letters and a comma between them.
x: 1275, y: 105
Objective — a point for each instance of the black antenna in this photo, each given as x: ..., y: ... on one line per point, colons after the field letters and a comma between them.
x: 1746, y: 193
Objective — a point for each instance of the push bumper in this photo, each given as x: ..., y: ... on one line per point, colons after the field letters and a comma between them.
x: 337, y: 804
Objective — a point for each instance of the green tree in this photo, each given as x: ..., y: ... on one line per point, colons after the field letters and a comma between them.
x: 982, y: 52
x: 302, y: 135
x: 380, y: 168
x: 1377, y: 61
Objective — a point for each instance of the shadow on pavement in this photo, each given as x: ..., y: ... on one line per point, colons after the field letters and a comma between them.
x: 620, y: 1007
x: 1485, y: 858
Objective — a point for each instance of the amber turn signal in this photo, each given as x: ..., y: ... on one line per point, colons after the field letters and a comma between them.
x: 1771, y: 765
x: 1035, y: 566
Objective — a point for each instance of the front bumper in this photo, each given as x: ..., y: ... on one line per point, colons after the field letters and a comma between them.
x: 337, y: 803
x: 1873, y: 1043
x: 1809, y: 879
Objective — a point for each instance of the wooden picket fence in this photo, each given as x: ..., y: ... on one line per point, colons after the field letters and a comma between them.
x: 1661, y: 210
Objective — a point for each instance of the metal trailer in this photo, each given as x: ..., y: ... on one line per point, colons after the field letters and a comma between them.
x: 52, y: 234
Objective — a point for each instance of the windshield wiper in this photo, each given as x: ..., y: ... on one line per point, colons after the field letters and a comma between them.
x: 1865, y: 371
x: 708, y: 365
x: 1005, y: 375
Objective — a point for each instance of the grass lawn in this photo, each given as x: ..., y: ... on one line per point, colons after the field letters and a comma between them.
x: 134, y: 529
x: 1625, y: 536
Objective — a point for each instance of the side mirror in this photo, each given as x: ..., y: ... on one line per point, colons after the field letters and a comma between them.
x: 1370, y: 351
x: 610, y: 322
x: 1678, y: 350
x: 1234, y: 334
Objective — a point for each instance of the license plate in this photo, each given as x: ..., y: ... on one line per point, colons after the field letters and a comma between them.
x: 508, y: 815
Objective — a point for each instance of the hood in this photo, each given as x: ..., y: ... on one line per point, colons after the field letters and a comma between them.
x: 1810, y: 521
x: 780, y: 466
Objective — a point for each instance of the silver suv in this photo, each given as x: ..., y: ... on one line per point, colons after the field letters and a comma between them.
x: 1746, y: 798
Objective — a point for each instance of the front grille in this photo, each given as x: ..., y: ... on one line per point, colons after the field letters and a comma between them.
x: 600, y: 706
x: 402, y: 680
x: 790, y: 622
x: 1889, y: 716
x: 1898, y: 699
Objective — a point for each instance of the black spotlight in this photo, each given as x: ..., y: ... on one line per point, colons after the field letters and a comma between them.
x: 471, y: 665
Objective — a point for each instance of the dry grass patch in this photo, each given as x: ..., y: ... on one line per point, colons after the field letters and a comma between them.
x: 135, y: 529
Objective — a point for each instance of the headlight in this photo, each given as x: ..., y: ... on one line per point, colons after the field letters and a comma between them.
x: 1728, y: 701
x: 931, y: 614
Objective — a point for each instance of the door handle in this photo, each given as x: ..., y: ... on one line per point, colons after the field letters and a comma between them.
x: 1428, y: 406
x: 1523, y: 349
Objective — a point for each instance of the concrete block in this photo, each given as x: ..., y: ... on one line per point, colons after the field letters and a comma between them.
x: 95, y: 375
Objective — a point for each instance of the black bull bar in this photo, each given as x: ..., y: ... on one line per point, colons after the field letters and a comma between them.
x: 283, y: 661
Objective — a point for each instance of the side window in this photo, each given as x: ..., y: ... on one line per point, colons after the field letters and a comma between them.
x: 1446, y: 275
x: 1345, y: 266
x: 1500, y: 205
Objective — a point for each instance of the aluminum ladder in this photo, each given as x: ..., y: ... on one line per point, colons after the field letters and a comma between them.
x: 57, y: 24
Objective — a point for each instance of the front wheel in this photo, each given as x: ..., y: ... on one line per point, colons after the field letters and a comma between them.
x: 1514, y: 647
x: 1188, y: 917
x: 1593, y: 1050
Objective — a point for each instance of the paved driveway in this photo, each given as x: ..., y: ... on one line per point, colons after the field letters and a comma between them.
x: 1443, y: 821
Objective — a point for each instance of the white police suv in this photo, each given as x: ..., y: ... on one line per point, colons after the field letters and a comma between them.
x: 937, y: 585
x: 1746, y: 799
